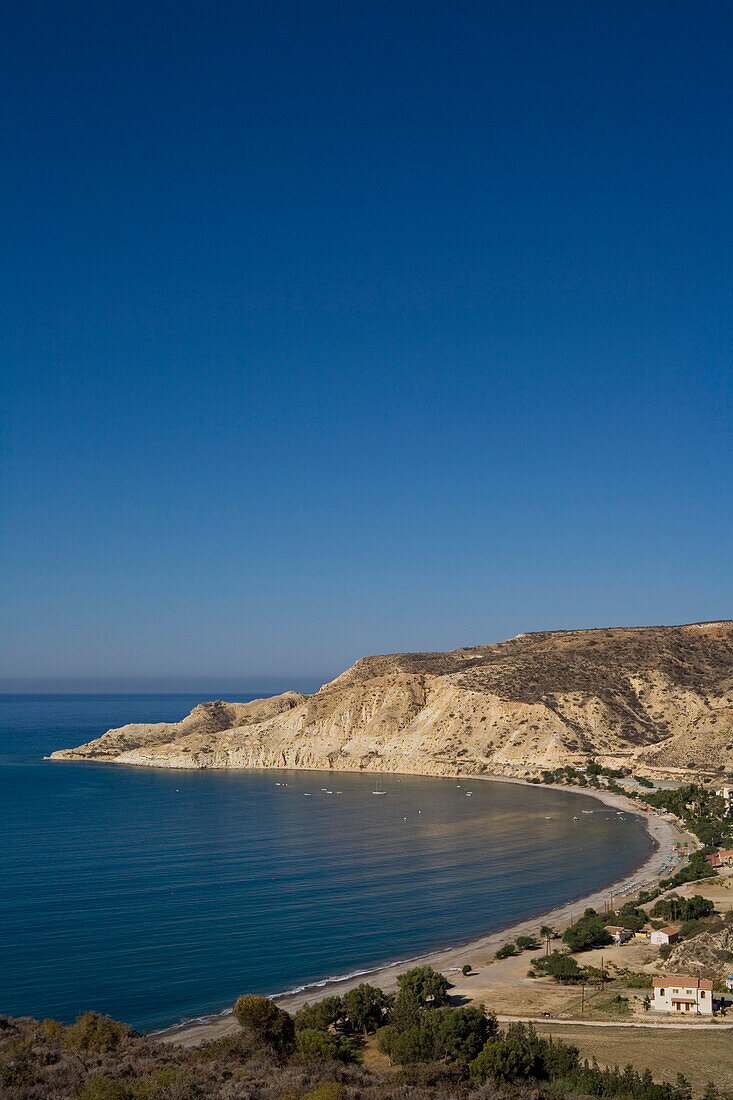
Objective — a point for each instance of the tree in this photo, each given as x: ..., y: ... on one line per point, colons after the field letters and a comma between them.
x: 319, y: 1044
x: 563, y: 968
x: 506, y: 951
x: 458, y: 1034
x: 426, y: 984
x: 406, y: 1011
x: 365, y: 1007
x: 504, y: 1060
x: 527, y: 943
x: 630, y: 917
x: 321, y: 1015
x: 265, y: 1023
x: 95, y: 1034
x: 589, y: 931
x: 466, y: 969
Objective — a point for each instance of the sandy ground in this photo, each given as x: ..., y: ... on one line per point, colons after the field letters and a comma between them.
x: 517, y: 994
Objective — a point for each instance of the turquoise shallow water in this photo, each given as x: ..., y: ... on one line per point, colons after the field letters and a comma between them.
x: 160, y: 895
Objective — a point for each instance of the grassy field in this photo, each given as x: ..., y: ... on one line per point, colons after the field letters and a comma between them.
x: 702, y: 1056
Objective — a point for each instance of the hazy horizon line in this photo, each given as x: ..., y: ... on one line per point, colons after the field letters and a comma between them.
x: 160, y: 685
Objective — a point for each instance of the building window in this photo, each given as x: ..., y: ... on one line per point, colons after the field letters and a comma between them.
x: 661, y: 992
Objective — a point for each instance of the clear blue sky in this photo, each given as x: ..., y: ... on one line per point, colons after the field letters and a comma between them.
x: 342, y: 328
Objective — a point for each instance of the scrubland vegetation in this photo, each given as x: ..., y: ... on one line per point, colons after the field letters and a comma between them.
x: 435, y: 1051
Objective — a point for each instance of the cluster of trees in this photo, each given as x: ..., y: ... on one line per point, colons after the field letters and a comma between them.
x: 590, y: 931
x: 515, y: 947
x: 629, y: 916
x: 684, y: 909
x: 520, y: 1054
x: 323, y: 1028
x: 564, y: 968
x: 703, y: 812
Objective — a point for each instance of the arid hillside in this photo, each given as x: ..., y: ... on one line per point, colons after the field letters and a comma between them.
x: 659, y: 699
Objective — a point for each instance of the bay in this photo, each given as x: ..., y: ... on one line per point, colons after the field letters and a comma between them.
x: 157, y: 896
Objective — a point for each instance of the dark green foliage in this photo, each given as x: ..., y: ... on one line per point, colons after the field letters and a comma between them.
x: 644, y: 782
x: 364, y: 1008
x: 426, y: 984
x: 692, y: 928
x: 466, y: 969
x: 684, y: 909
x: 630, y: 917
x: 506, y: 951
x: 590, y: 931
x: 563, y: 968
x: 265, y: 1023
x: 405, y: 1011
x: 451, y: 1034
x: 704, y: 812
x: 320, y: 1044
x: 527, y: 943
x: 321, y: 1015
x: 519, y: 1053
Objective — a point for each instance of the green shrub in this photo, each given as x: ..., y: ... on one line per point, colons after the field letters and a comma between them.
x: 506, y: 951
x: 95, y: 1034
x: 330, y: 1090
x: 527, y: 943
x: 321, y: 1044
x: 563, y: 968
x: 426, y: 984
x: 265, y: 1023
x: 364, y: 1008
x: 590, y: 931
x: 321, y: 1015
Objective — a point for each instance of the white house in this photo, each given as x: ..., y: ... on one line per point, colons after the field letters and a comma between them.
x: 620, y: 935
x: 681, y: 994
x: 726, y: 793
x: 664, y: 935
x: 729, y: 982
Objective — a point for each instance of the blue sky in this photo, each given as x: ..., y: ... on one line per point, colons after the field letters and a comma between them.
x: 341, y: 328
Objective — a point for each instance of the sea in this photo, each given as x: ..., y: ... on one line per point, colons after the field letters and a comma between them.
x: 157, y: 896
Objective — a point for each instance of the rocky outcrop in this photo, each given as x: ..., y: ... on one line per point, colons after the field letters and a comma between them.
x: 659, y: 699
x: 709, y: 954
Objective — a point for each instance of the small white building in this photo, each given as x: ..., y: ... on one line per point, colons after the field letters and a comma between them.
x: 664, y: 935
x: 729, y: 982
x: 683, y: 995
x: 620, y: 935
x: 726, y: 793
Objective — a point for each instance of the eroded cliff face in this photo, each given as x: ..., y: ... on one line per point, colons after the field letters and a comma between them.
x: 659, y: 699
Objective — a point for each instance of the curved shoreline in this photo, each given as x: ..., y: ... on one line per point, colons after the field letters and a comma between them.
x: 663, y: 830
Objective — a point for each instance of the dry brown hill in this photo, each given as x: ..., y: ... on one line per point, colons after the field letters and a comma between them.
x: 707, y: 955
x: 657, y: 698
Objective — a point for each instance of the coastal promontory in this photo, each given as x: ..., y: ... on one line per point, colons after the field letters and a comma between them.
x: 656, y: 699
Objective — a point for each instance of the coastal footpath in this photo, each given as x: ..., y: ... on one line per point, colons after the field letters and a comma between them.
x: 656, y: 700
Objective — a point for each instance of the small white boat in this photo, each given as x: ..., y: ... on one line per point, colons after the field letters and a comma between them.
x: 587, y: 811
x: 468, y: 794
x: 379, y: 788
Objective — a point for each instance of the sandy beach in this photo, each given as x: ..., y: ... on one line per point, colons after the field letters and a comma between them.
x: 664, y: 830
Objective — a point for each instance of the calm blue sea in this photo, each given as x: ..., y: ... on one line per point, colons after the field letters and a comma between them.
x: 159, y: 895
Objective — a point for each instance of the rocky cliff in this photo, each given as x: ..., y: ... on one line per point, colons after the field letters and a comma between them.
x: 658, y: 699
